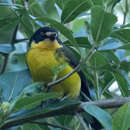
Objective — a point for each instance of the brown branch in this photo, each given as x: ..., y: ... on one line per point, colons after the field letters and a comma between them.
x: 72, y: 109
x: 50, y: 124
x: 110, y: 103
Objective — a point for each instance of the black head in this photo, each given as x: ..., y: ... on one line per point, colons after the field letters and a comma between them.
x: 44, y: 33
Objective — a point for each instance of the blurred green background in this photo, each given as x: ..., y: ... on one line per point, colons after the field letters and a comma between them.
x: 81, y: 24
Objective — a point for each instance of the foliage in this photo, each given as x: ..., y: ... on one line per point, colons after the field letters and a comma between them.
x: 83, y: 25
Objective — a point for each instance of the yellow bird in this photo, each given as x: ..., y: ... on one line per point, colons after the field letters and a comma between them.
x: 47, y: 54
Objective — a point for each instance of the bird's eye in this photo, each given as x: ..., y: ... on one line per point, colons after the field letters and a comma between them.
x: 42, y: 33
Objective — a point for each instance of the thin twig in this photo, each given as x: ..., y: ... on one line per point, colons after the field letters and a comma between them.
x: 14, y: 35
x: 20, y: 40
x: 111, y: 103
x: 50, y: 124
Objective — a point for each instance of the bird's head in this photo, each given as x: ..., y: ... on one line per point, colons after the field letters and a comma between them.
x: 45, y: 33
x: 45, y: 37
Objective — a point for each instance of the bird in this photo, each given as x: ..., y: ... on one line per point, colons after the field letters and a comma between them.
x: 48, y: 57
x: 47, y: 54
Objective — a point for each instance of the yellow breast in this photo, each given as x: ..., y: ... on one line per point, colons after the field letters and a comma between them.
x: 41, y: 60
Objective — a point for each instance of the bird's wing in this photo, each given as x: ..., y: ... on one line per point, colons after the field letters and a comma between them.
x: 72, y: 60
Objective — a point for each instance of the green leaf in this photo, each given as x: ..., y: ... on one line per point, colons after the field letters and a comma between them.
x: 71, y: 12
x: 81, y: 41
x: 12, y: 83
x: 50, y: 9
x: 125, y: 65
x: 31, y: 126
x: 125, y: 47
x: 4, y: 111
x: 78, y: 24
x: 98, y: 60
x: 102, y: 116
x: 32, y: 88
x: 6, y: 48
x: 43, y: 8
x: 7, y: 27
x: 121, y: 119
x: 122, y: 35
x: 101, y: 23
x: 60, y: 27
x: 98, y: 2
x: 30, y: 102
x: 112, y: 58
x: 36, y: 9
x: 61, y: 3
x: 64, y: 119
x: 122, y: 83
x: 25, y: 21
x: 5, y: 23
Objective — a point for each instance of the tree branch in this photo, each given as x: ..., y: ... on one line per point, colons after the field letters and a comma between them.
x: 20, y: 40
x: 72, y: 109
x: 110, y: 103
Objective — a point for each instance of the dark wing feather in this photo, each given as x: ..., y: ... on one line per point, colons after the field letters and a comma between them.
x: 74, y: 62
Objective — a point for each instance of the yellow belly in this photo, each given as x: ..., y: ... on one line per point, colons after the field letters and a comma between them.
x: 41, y: 62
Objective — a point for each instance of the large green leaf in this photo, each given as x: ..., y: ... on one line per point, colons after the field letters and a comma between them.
x: 43, y: 8
x: 98, y: 60
x: 125, y: 47
x: 125, y: 65
x: 35, y: 8
x: 6, y: 24
x: 73, y: 8
x: 25, y: 21
x: 122, y: 35
x: 78, y: 24
x: 50, y: 9
x: 112, y: 58
x: 101, y: 23
x: 61, y: 3
x: 30, y: 102
x: 121, y: 119
x: 102, y: 116
x: 60, y: 27
x: 12, y: 83
x: 82, y: 42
